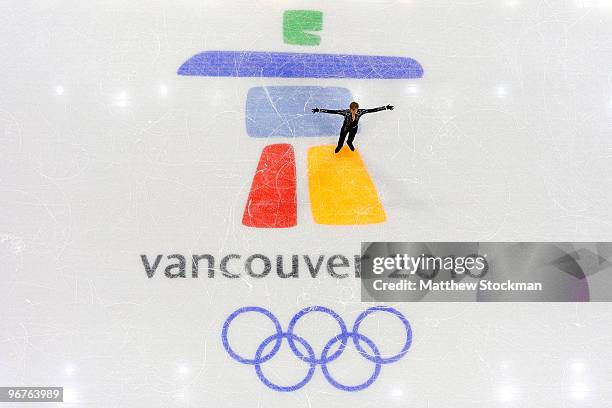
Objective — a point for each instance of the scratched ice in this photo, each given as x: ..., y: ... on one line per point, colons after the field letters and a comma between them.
x: 107, y: 154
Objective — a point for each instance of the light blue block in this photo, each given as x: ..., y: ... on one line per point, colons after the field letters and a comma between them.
x: 286, y: 111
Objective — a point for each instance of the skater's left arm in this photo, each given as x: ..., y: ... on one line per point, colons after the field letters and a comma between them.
x: 388, y: 107
x: 336, y: 111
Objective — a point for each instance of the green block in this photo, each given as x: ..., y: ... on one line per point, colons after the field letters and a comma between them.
x: 297, y: 22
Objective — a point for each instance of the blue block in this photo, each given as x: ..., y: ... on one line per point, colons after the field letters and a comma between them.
x: 299, y: 65
x: 285, y: 111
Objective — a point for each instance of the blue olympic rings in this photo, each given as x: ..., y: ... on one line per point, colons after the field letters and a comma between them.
x: 378, y: 359
x: 269, y: 383
x: 333, y: 381
x: 303, y: 312
x: 310, y: 357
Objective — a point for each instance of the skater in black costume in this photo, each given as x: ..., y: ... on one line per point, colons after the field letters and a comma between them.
x: 351, y: 121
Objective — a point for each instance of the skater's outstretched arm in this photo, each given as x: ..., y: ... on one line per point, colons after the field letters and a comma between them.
x: 336, y: 111
x: 388, y: 107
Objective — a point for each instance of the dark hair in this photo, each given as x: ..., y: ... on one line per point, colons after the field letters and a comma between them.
x: 354, y: 105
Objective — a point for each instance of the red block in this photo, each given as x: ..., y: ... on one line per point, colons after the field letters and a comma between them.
x: 272, y: 202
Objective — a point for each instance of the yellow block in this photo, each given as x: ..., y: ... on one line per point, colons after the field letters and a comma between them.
x: 341, y: 191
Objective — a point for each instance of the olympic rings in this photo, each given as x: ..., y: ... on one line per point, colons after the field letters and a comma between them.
x: 265, y: 312
x: 269, y: 383
x: 305, y: 311
x: 359, y: 387
x: 378, y: 359
x: 310, y: 357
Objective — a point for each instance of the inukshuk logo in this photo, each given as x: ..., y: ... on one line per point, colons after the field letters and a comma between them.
x: 304, y: 351
x: 284, y: 111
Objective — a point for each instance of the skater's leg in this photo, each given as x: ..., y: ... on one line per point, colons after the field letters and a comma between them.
x: 343, y: 133
x: 350, y: 139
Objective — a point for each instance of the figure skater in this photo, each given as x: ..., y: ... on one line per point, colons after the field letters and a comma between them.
x: 351, y: 121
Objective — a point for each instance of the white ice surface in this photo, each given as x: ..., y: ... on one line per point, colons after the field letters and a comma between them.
x: 106, y: 154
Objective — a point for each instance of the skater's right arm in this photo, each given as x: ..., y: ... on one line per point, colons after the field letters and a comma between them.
x: 336, y: 111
